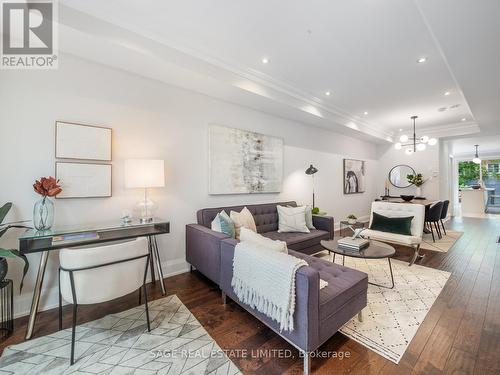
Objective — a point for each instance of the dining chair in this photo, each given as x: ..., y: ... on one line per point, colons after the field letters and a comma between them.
x: 94, y: 274
x: 444, y: 213
x: 433, y: 216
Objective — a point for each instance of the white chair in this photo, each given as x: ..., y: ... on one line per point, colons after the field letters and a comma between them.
x: 399, y: 210
x: 89, y: 275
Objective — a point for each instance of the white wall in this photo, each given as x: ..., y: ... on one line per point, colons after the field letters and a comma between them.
x: 425, y: 162
x: 150, y: 120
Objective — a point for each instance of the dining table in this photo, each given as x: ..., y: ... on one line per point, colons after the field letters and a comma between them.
x: 424, y: 202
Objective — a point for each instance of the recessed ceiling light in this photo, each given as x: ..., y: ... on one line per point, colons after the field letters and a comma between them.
x: 446, y: 93
x: 328, y: 93
x: 400, y: 130
x: 365, y: 113
x: 265, y: 60
x: 463, y: 119
x: 422, y: 59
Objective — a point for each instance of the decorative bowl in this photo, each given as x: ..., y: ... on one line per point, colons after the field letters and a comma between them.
x: 476, y: 187
x: 407, y: 198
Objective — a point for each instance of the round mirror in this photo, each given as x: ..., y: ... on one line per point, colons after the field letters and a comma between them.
x: 397, y: 176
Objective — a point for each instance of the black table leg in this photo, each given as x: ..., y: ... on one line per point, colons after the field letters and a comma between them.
x: 392, y: 278
x: 151, y: 260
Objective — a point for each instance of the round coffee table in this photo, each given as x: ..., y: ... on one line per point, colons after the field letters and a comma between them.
x: 376, y: 250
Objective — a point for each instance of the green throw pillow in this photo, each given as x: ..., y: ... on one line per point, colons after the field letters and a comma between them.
x: 398, y: 225
x: 223, y: 224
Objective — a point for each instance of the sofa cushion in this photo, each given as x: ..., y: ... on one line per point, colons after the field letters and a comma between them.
x: 247, y: 235
x: 391, y: 237
x: 265, y: 215
x: 292, y: 219
x: 343, y: 284
x: 242, y: 219
x: 299, y: 241
x: 398, y: 225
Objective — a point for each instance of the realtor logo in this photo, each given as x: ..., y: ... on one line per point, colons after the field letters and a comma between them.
x: 29, y: 35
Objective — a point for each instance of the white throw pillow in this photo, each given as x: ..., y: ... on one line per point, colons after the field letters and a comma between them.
x: 242, y: 219
x: 309, y: 218
x: 246, y: 235
x: 292, y: 219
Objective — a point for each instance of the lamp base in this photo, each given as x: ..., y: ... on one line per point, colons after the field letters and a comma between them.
x: 145, y: 220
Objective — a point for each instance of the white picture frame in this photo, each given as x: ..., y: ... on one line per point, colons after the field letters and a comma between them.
x: 82, y: 142
x: 84, y: 180
x: 244, y: 162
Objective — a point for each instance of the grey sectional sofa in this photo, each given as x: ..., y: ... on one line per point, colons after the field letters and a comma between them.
x: 203, y: 244
x: 318, y: 313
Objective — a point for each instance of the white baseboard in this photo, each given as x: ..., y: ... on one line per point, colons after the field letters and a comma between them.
x: 50, y: 299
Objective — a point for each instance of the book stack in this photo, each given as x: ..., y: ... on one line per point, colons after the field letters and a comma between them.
x: 74, y: 237
x: 353, y: 244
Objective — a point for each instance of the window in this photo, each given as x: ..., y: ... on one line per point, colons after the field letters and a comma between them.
x: 493, y: 167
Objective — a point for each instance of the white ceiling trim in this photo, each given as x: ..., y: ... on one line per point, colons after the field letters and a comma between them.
x: 229, y: 72
x: 450, y: 130
x: 442, y: 54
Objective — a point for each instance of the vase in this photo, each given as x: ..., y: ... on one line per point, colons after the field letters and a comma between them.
x: 43, y: 214
x: 418, y: 191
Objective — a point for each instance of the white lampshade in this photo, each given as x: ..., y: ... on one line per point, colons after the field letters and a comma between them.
x: 404, y: 138
x: 144, y: 173
x: 409, y: 151
x: 476, y: 160
x: 398, y: 146
x: 421, y: 147
x: 425, y: 139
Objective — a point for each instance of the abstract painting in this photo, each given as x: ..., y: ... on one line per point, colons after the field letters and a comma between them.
x: 354, y: 176
x: 243, y: 162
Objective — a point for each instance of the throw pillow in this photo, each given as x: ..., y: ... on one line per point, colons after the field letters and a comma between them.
x: 292, y: 219
x: 223, y: 224
x: 397, y: 225
x: 309, y: 217
x: 246, y: 235
x: 243, y: 219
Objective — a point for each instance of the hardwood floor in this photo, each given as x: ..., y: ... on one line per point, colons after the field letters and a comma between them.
x: 460, y: 335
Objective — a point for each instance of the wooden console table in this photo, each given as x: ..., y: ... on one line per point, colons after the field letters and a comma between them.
x: 33, y: 241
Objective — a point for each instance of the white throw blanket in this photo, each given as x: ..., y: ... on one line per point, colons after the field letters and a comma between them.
x: 265, y: 280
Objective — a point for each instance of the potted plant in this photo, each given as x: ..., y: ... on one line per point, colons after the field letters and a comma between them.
x: 10, y: 253
x: 351, y: 219
x: 43, y: 212
x: 418, y: 181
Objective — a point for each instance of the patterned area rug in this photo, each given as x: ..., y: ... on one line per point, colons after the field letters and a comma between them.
x: 120, y: 344
x: 393, y: 316
x: 441, y: 245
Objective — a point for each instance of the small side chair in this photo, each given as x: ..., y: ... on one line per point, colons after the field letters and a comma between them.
x: 433, y: 216
x: 89, y: 275
x: 444, y: 213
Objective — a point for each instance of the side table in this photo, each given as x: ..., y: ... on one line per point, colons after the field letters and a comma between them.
x: 344, y: 225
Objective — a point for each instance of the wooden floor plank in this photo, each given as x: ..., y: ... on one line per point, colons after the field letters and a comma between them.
x: 460, y: 334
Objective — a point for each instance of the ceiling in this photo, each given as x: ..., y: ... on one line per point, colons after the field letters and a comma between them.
x: 364, y: 52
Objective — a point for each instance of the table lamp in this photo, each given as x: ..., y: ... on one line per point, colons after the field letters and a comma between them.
x: 144, y: 174
x: 311, y: 171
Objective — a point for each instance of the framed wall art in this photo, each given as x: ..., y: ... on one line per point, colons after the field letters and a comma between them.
x: 83, y: 180
x: 354, y: 176
x: 84, y: 142
x: 244, y: 162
